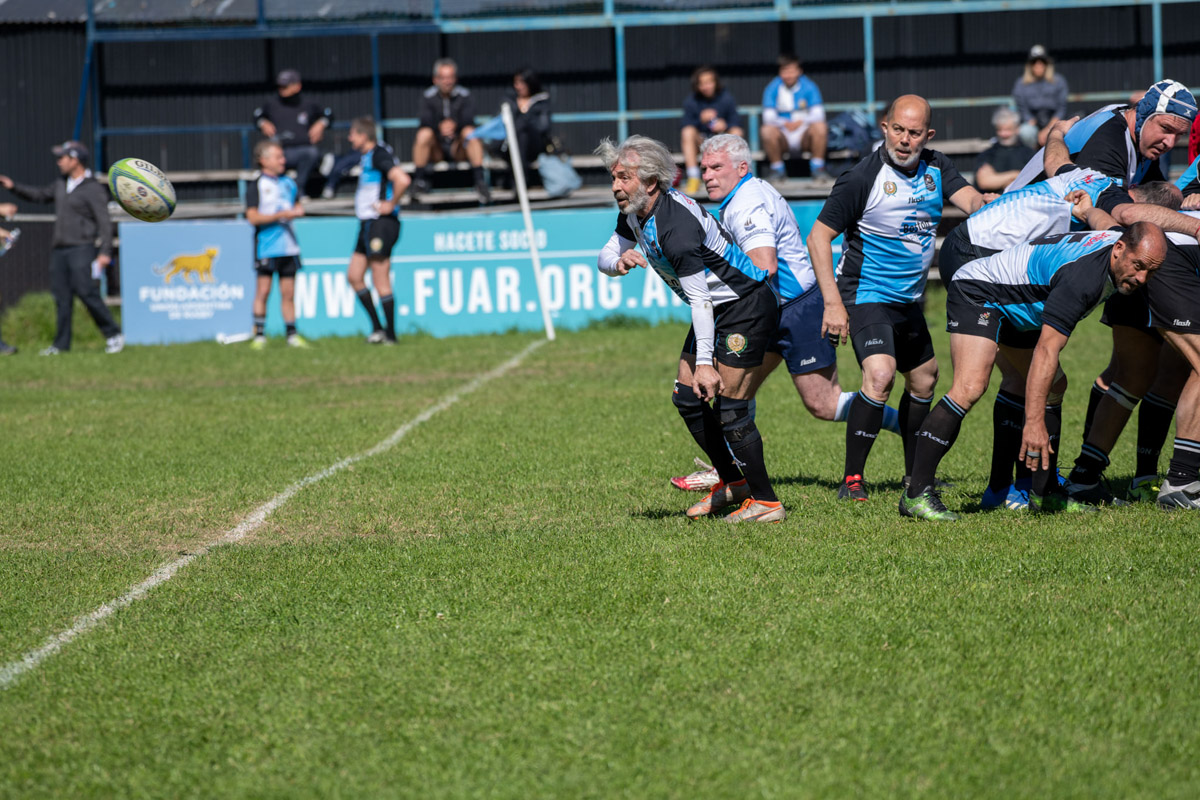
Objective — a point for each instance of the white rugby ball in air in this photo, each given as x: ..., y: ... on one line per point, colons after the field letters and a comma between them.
x: 142, y: 189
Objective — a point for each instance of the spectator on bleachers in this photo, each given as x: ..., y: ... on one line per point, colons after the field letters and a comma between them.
x: 709, y: 110
x: 297, y: 124
x: 1040, y: 96
x: 1000, y: 164
x: 447, y: 118
x: 531, y: 118
x: 794, y: 121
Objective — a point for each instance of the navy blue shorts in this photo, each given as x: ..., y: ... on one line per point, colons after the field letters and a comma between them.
x: 798, y: 338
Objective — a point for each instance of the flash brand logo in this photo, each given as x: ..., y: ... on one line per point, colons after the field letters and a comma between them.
x: 1182, y: 323
x: 873, y: 343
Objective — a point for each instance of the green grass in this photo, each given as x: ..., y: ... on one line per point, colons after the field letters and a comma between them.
x: 510, y: 603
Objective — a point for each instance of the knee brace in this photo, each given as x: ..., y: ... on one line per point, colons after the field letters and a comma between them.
x: 690, y: 407
x: 737, y: 420
x: 1122, y: 398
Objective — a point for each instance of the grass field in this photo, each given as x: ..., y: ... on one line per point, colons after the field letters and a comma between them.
x: 508, y: 603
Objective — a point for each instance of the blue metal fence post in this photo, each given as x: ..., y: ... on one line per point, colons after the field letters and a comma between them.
x: 622, y: 88
x: 376, y: 83
x: 869, y: 61
x: 1156, y: 23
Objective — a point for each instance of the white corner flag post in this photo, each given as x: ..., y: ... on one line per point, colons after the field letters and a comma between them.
x: 518, y: 170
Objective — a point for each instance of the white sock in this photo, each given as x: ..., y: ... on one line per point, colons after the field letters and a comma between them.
x: 843, y: 406
x: 693, y: 172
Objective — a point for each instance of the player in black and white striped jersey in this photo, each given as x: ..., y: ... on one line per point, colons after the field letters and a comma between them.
x: 734, y: 315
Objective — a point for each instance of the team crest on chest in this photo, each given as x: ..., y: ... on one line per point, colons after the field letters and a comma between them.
x: 929, y: 184
x: 889, y: 188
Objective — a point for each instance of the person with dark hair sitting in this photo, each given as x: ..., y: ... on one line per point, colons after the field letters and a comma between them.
x: 531, y: 118
x: 709, y: 110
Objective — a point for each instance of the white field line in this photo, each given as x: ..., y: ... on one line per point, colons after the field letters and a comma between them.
x: 82, y: 624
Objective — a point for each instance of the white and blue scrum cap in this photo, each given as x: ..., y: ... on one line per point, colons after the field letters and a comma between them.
x: 1165, y: 97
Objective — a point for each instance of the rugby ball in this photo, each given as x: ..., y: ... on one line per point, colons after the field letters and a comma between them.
x: 141, y: 189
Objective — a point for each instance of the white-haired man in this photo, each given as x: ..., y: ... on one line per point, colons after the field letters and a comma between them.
x: 734, y: 315
x: 764, y: 226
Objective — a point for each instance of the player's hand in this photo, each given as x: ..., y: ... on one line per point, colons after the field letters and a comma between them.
x: 706, y: 382
x: 6, y: 182
x: 9, y: 210
x: 297, y: 211
x: 629, y: 260
x: 1062, y: 126
x: 987, y: 197
x: 1192, y: 201
x: 268, y: 128
x: 447, y: 128
x: 385, y: 207
x: 708, y: 115
x: 835, y: 324
x: 1081, y: 204
x: 718, y: 125
x: 103, y: 261
x: 794, y: 124
x: 1035, y: 445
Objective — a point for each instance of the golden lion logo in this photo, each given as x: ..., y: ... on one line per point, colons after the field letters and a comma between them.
x: 187, y: 266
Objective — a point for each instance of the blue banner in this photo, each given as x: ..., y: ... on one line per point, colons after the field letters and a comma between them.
x: 185, y: 281
x: 451, y: 274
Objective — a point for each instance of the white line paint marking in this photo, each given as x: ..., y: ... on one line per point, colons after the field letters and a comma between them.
x: 82, y: 624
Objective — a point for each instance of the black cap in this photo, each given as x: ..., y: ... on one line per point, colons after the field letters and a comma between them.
x: 70, y: 148
x: 287, y: 77
x: 1038, y: 53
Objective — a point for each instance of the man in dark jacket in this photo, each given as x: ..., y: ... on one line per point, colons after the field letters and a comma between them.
x: 447, y: 118
x: 80, y: 220
x: 296, y: 123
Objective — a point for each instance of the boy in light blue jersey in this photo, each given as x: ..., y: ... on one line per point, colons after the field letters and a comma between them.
x: 272, y: 202
x: 1049, y: 284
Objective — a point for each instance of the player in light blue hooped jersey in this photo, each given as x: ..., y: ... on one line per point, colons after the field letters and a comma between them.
x: 377, y: 205
x: 889, y: 206
x: 271, y: 205
x: 1049, y: 284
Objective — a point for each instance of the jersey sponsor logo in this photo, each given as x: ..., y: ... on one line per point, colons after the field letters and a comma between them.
x: 749, y: 225
x: 873, y: 343
x: 984, y: 318
x: 736, y: 343
x: 1088, y: 178
x: 889, y: 188
x: 929, y: 184
x: 1099, y: 237
x: 952, y: 323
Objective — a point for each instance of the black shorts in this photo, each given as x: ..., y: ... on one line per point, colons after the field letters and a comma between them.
x: 1173, y: 298
x: 286, y: 266
x: 891, y: 329
x: 956, y: 251
x: 1131, y: 310
x: 745, y: 329
x: 963, y: 316
x: 377, y: 237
